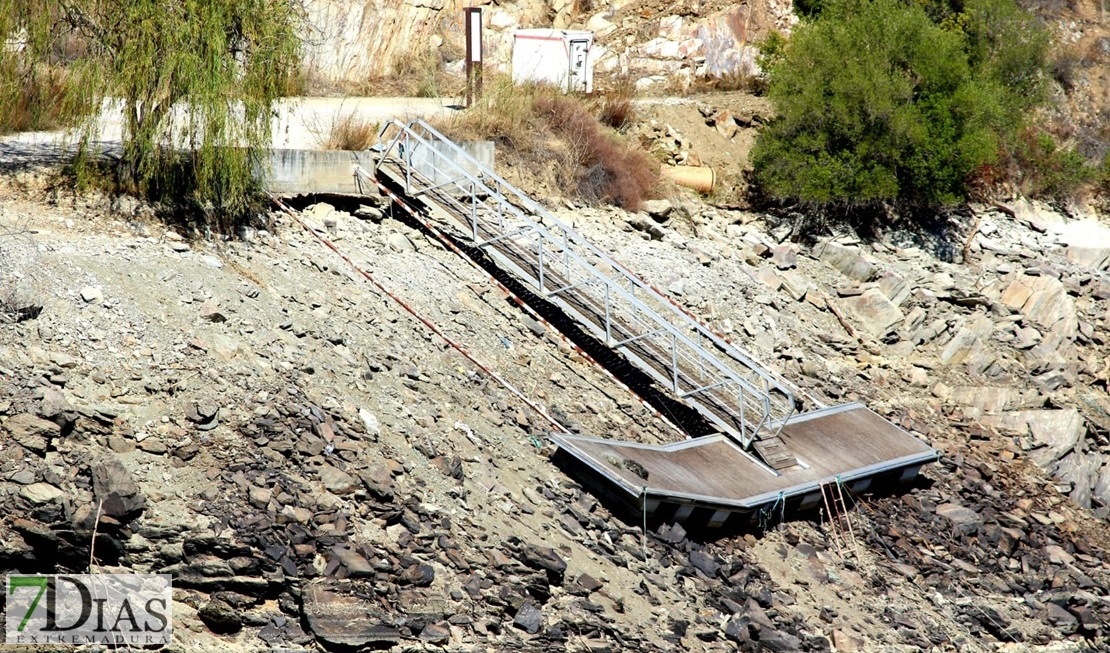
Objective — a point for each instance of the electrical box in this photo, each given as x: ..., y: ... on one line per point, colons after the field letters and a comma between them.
x: 560, y: 57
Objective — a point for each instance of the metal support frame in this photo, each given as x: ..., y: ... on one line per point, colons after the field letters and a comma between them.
x: 713, y: 376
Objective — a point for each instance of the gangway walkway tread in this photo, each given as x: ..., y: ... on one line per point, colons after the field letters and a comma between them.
x: 744, y: 400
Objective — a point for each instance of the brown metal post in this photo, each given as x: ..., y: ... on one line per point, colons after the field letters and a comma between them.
x: 473, y: 19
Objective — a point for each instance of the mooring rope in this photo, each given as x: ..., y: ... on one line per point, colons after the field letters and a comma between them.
x: 423, y: 320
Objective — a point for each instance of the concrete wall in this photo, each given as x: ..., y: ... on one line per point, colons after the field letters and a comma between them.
x: 298, y: 172
x: 439, y: 156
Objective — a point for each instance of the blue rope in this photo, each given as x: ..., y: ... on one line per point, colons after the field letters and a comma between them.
x: 767, y: 514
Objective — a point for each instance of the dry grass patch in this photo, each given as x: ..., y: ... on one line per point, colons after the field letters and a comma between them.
x: 558, y: 141
x: 346, y: 131
x: 418, y: 74
x: 41, y: 99
x: 615, y: 107
x: 608, y: 169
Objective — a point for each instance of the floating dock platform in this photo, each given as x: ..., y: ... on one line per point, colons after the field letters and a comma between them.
x: 711, y: 481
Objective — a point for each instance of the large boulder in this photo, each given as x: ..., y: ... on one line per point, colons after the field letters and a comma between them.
x: 872, y: 312
x: 119, y: 496
x: 848, y: 260
x: 344, y: 622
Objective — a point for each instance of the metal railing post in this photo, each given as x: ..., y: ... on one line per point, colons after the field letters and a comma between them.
x: 674, y: 361
x: 608, y: 325
x: 474, y: 210
x: 539, y: 243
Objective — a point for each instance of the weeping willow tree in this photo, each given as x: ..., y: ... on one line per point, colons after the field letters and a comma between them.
x: 195, y: 82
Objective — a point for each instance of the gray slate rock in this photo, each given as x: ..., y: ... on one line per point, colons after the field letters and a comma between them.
x: 336, y: 480
x: 112, y: 484
x: 529, y: 618
x: 704, y: 563
x: 33, y: 433
x: 220, y: 617
x: 546, y: 559
x: 40, y: 493
x: 846, y: 259
x: 341, y: 621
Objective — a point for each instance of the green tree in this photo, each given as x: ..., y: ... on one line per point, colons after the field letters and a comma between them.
x: 878, y: 103
x: 195, y: 80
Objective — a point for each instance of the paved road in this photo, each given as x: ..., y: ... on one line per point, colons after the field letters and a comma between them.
x: 301, y: 123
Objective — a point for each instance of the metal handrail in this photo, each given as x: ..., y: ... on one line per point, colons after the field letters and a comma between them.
x: 405, y: 132
x: 739, y: 354
x: 543, y: 240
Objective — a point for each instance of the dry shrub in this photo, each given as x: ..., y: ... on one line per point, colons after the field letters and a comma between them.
x: 417, y: 74
x: 351, y: 132
x: 344, y: 131
x: 558, y: 140
x: 733, y: 80
x: 299, y: 82
x: 504, y: 114
x: 42, y: 99
x: 608, y: 169
x: 1064, y: 67
x: 17, y: 302
x: 617, y: 110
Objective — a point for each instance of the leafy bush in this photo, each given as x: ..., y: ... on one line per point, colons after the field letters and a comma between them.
x: 226, y: 60
x: 877, y: 103
x: 38, y: 98
x: 1008, y: 46
x: 1047, y: 170
x: 771, y: 50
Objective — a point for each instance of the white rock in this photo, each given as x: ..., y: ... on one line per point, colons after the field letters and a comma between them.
x: 502, y: 20
x: 600, y: 25
x: 370, y: 421
x: 399, y: 242
x: 92, y: 294
x: 1088, y: 243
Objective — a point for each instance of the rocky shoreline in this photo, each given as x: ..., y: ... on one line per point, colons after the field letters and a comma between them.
x: 316, y: 470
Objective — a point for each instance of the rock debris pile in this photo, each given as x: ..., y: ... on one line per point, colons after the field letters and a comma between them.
x: 316, y: 470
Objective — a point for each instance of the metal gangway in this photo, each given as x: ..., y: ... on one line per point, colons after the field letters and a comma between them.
x: 747, y: 402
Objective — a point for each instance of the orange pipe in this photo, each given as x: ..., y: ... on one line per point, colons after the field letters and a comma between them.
x: 700, y: 178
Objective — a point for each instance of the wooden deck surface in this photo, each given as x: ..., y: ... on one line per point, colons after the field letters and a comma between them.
x: 848, y: 441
